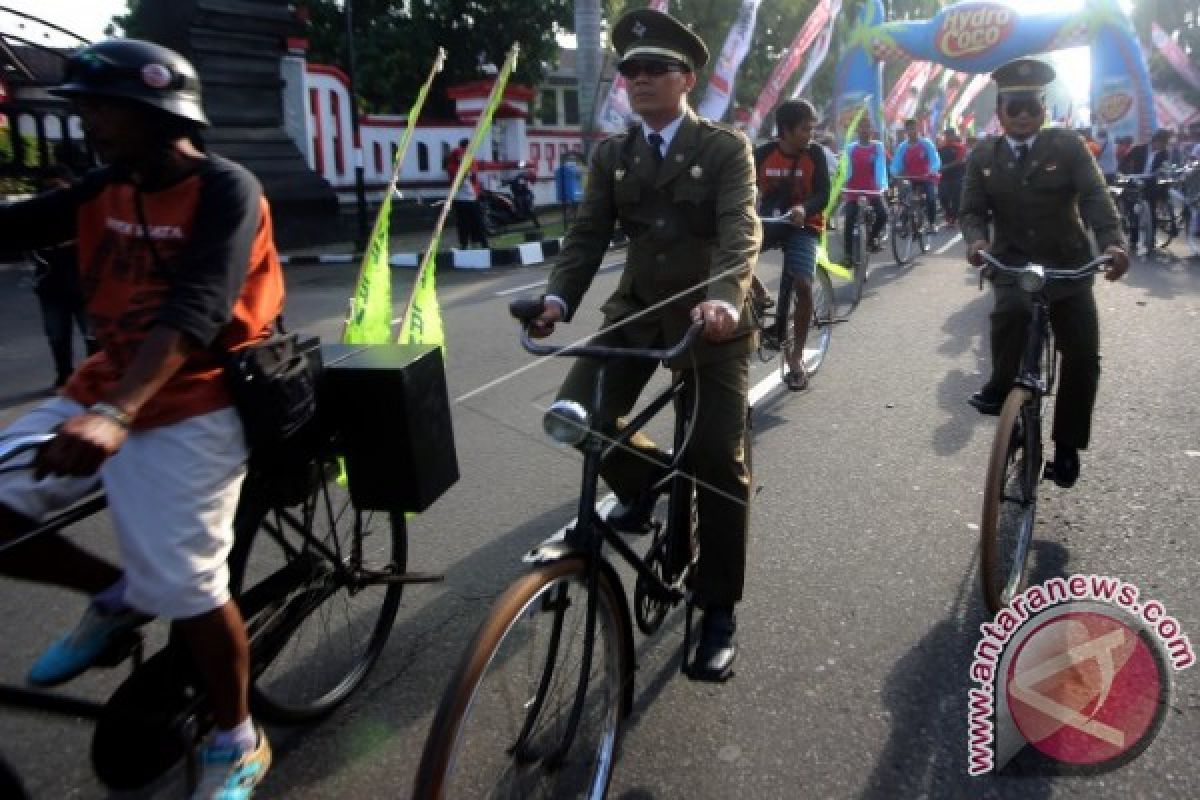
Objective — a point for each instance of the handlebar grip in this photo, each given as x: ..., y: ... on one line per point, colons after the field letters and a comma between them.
x: 526, y: 309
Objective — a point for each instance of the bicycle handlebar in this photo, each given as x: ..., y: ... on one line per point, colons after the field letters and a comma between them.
x: 1091, y: 268
x: 527, y: 309
x: 12, y: 447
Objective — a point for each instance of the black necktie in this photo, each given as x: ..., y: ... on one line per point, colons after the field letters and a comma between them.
x: 656, y: 142
x: 1022, y: 154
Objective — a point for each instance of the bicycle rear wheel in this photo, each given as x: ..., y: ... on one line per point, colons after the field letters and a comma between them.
x: 319, y: 598
x: 902, y: 236
x: 1010, y: 500
x: 506, y: 715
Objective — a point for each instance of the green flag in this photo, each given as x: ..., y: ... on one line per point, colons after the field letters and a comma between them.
x: 370, y: 317
x: 835, y: 195
x: 423, y: 319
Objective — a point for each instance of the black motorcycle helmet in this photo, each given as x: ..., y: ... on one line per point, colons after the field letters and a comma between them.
x: 135, y: 70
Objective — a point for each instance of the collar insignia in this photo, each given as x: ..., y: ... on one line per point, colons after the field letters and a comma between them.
x: 639, y: 30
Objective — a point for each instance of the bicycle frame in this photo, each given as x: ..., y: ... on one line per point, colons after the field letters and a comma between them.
x: 591, y: 532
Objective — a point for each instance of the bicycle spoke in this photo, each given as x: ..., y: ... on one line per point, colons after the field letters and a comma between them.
x: 518, y: 709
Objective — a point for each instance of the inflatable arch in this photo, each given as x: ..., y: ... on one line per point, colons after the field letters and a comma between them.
x: 978, y: 36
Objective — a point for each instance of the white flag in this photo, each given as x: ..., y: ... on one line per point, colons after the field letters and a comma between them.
x: 737, y: 44
x: 816, y: 57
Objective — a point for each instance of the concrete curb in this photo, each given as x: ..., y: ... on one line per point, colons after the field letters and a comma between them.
x: 522, y: 255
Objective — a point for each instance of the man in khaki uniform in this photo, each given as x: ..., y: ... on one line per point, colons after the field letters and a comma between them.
x: 1033, y: 185
x: 683, y: 190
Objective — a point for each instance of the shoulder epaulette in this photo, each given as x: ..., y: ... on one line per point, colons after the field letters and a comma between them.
x: 720, y: 126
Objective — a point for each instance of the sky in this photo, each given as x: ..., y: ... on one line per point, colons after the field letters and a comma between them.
x: 85, y: 17
x: 88, y: 18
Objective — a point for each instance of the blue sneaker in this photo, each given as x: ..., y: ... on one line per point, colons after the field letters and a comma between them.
x: 79, y: 649
x: 228, y: 773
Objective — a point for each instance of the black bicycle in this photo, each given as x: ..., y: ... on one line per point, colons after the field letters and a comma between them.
x: 860, y: 221
x: 535, y: 707
x: 820, y: 323
x: 905, y: 211
x: 318, y: 582
x: 1017, y: 463
x: 1157, y: 231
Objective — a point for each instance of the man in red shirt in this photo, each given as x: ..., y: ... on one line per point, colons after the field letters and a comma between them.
x: 793, y: 189
x: 177, y: 262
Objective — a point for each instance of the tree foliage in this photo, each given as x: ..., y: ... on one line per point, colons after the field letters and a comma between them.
x: 395, y: 42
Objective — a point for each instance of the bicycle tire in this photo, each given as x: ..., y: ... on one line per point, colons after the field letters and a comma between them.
x: 317, y: 633
x: 1166, y: 225
x: 1009, y: 502
x: 902, y: 236
x: 820, y: 330
x: 11, y: 787
x: 484, y: 742
x: 861, y: 259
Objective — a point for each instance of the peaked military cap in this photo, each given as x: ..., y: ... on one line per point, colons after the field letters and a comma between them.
x: 656, y: 36
x: 1023, y: 75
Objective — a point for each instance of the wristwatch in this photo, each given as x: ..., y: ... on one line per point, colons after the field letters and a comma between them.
x: 116, y: 414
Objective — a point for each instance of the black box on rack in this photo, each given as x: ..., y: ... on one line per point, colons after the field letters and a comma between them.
x: 390, y: 411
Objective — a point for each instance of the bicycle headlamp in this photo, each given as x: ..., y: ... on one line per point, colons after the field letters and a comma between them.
x: 1032, y: 279
x: 566, y: 422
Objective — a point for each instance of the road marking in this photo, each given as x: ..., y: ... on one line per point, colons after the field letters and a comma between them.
x: 543, y: 282
x: 516, y: 289
x: 764, y: 387
x: 955, y: 239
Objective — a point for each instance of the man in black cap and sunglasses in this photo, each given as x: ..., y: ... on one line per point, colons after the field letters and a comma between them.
x: 1036, y: 187
x: 683, y: 189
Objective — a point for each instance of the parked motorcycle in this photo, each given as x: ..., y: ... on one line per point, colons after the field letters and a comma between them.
x: 503, y: 208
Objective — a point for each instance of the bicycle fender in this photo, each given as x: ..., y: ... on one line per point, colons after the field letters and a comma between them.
x: 556, y: 548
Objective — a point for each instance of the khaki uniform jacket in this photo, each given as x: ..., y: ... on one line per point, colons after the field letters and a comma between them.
x: 693, y: 234
x: 1037, y: 212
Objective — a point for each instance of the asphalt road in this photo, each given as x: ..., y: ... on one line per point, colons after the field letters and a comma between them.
x: 862, y: 608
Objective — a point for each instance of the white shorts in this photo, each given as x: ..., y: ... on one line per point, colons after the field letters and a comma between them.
x: 172, y: 493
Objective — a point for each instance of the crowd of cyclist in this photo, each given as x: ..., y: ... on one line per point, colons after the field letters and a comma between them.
x: 1165, y: 169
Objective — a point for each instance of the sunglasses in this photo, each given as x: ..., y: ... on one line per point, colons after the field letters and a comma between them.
x: 1031, y: 105
x: 655, y: 69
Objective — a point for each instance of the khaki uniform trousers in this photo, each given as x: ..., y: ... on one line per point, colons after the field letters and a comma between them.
x: 1077, y: 336
x: 715, y: 455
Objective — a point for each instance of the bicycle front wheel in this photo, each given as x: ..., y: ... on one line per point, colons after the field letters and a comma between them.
x: 820, y: 330
x: 861, y: 257
x: 319, y: 598
x: 1166, y: 225
x: 534, y: 709
x: 902, y: 236
x: 1010, y: 501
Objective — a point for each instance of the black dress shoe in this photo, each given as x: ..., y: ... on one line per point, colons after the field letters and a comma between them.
x: 986, y: 403
x: 718, y: 648
x: 1065, y: 469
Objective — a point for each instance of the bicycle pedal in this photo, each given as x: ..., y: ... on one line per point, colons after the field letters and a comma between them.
x: 412, y: 577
